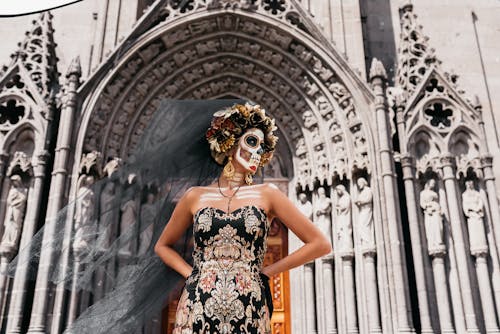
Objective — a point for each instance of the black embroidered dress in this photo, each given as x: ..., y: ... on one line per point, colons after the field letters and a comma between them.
x: 226, y: 292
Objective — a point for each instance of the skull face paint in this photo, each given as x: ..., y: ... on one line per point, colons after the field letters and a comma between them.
x: 249, y: 151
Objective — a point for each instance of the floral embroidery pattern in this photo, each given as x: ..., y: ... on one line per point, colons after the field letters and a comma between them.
x: 225, y: 293
x: 204, y: 221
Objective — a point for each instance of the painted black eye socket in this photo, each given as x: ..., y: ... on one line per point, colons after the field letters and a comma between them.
x: 251, y: 141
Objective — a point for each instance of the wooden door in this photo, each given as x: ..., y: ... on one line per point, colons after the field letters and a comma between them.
x: 277, y: 248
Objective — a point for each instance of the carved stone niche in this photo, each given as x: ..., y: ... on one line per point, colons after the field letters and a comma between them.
x: 474, y: 211
x: 433, y: 216
x: 426, y: 151
x: 465, y: 148
x: 14, y: 216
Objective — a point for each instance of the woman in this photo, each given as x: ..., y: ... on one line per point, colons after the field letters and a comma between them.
x: 129, y: 291
x: 226, y: 288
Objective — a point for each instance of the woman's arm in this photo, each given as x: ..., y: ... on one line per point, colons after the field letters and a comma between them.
x: 315, y: 243
x: 179, y: 221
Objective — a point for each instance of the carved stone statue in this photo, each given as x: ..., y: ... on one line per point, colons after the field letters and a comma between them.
x: 429, y: 202
x: 273, y: 169
x: 343, y: 216
x: 148, y: 212
x: 84, y: 210
x: 14, y: 217
x: 364, y: 201
x: 107, y: 214
x: 128, y: 218
x: 473, y: 207
x: 305, y: 206
x: 322, y: 212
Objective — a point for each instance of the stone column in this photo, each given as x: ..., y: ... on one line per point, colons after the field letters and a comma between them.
x: 345, y: 250
x: 459, y: 243
x: 299, y: 305
x: 420, y: 263
x: 489, y: 182
x: 453, y: 271
x: 443, y: 299
x: 369, y: 256
x: 4, y: 279
x: 74, y: 296
x: 320, y: 296
x: 378, y: 79
x: 310, y: 302
x: 473, y: 207
x: 19, y: 290
x: 324, y: 285
x: 349, y: 293
x: 3, y: 161
x: 489, y: 179
x: 485, y: 291
x: 13, y: 221
x: 329, y: 311
x: 40, y: 310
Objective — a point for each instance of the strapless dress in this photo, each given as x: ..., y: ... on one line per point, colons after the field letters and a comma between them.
x: 226, y: 292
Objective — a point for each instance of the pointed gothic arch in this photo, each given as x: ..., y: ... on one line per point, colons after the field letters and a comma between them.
x: 286, y: 71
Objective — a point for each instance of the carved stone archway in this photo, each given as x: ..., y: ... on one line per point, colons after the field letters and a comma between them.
x: 323, y: 111
x: 203, y: 55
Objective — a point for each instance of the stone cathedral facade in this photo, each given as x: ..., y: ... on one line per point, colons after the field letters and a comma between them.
x: 397, y: 171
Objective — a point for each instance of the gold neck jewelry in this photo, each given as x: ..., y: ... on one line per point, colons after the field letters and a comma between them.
x: 230, y: 197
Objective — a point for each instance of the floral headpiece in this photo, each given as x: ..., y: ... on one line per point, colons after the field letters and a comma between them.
x: 230, y: 123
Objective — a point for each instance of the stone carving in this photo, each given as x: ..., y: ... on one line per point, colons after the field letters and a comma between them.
x: 243, y: 4
x: 112, y: 166
x: 308, y: 70
x: 433, y: 221
x: 148, y: 213
x: 473, y: 207
x: 20, y: 162
x: 273, y: 169
x: 364, y: 201
x: 106, y: 221
x: 37, y: 52
x: 90, y: 161
x: 12, y: 111
x: 84, y: 209
x: 322, y: 213
x: 343, y: 219
x: 14, y: 217
x: 127, y: 221
x: 305, y: 206
x: 415, y: 53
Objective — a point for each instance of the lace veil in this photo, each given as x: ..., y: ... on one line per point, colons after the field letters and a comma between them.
x: 106, y: 259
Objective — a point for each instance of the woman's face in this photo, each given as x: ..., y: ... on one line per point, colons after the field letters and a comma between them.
x: 249, y: 150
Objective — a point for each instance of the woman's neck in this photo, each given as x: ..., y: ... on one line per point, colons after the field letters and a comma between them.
x: 237, y: 180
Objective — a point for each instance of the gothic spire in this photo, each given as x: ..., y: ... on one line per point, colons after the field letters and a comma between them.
x: 37, y: 53
x: 415, y: 56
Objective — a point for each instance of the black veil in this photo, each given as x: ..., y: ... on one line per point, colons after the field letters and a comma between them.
x: 103, y: 247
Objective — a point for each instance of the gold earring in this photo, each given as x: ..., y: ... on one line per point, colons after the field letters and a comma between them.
x: 229, y: 168
x: 248, y: 178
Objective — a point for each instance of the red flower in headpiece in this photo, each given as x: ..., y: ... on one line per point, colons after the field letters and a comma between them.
x: 228, y: 124
x: 210, y: 132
